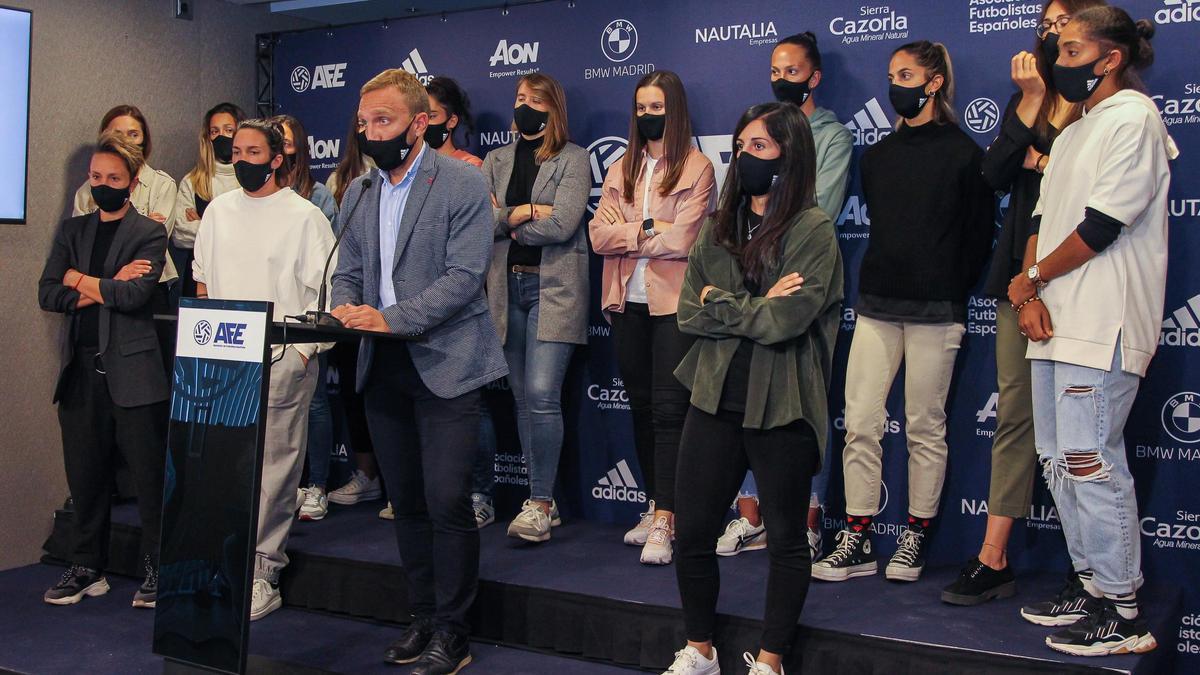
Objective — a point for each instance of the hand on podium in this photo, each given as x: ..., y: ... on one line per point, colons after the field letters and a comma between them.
x: 361, y: 317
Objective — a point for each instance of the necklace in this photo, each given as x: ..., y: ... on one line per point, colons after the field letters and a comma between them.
x: 750, y: 230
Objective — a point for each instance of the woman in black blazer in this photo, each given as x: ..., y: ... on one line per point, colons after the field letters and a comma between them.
x: 111, y: 391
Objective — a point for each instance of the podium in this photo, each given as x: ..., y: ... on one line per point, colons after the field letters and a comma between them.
x: 217, y: 428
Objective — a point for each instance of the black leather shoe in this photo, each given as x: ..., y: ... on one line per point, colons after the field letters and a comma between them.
x: 446, y: 654
x: 412, y: 642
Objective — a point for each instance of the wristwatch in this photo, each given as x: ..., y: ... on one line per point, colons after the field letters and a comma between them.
x: 648, y: 227
x: 1035, y: 275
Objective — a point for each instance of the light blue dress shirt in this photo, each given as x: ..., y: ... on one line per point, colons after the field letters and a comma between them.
x: 392, y: 199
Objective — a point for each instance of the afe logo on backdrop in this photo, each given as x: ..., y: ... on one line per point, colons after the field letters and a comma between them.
x: 1181, y: 417
x: 982, y: 115
x: 619, y: 40
x: 602, y: 154
x: 328, y: 76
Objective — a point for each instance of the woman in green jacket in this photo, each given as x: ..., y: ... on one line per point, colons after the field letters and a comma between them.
x: 762, y: 295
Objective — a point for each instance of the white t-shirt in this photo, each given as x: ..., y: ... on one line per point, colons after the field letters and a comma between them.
x: 1114, y: 160
x: 264, y: 248
x: 635, y: 290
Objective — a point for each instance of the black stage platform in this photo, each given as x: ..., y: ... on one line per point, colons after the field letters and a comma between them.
x: 584, y: 594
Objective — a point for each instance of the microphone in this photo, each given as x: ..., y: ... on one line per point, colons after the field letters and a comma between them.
x: 320, y: 317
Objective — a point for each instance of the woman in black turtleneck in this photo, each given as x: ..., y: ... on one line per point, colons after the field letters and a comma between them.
x: 538, y: 283
x: 931, y: 231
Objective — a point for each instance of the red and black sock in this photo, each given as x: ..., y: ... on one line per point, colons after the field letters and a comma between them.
x: 915, y: 523
x: 858, y: 523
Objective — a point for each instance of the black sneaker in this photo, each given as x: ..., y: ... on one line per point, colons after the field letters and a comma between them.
x: 1104, y: 632
x: 909, y: 559
x: 76, y: 582
x: 1072, y: 604
x: 412, y: 642
x: 852, y: 557
x: 147, y: 593
x: 977, y: 583
x: 446, y: 654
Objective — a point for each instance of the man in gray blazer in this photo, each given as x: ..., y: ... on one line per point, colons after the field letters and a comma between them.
x: 413, y: 261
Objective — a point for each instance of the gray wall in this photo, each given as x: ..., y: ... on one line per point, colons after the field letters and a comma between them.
x: 87, y: 57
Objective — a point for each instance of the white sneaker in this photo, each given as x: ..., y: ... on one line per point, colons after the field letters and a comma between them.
x: 316, y: 504
x: 757, y: 668
x: 387, y: 512
x: 657, y: 550
x: 485, y: 513
x: 531, y: 524
x: 264, y: 599
x: 637, y: 536
x: 740, y: 536
x: 689, y: 661
x: 359, y: 489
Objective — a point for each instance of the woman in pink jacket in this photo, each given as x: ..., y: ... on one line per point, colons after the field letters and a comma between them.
x: 651, y: 208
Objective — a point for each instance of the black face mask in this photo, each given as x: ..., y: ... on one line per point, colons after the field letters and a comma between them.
x: 252, y: 177
x: 530, y: 121
x: 652, y: 127
x: 1077, y: 83
x: 389, y: 154
x: 110, y: 199
x: 1050, y: 48
x: 756, y: 176
x: 908, y: 102
x: 436, y: 135
x: 223, y: 148
x: 787, y: 91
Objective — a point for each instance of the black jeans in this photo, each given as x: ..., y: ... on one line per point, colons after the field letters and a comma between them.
x: 714, y: 454
x: 94, y: 429
x: 648, y: 349
x: 426, y: 446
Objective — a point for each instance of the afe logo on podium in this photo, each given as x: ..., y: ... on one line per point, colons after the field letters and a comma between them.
x: 202, y: 333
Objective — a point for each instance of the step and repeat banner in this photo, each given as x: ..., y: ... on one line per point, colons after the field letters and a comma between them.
x: 598, y: 51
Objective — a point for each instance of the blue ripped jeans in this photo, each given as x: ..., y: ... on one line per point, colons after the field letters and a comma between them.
x: 1079, y: 419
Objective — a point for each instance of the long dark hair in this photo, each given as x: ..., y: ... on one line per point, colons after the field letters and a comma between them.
x: 456, y: 102
x: 677, y: 137
x: 792, y: 193
x: 129, y: 111
x: 352, y: 164
x: 1051, y: 100
x: 296, y: 165
x: 1113, y: 28
x: 272, y: 130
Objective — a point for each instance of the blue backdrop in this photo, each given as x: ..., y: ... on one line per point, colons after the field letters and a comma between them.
x: 598, y: 50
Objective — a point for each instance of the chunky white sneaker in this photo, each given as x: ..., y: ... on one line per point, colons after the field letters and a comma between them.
x: 740, y: 536
x: 264, y: 599
x: 316, y: 504
x: 757, y: 668
x: 637, y: 536
x: 485, y: 513
x: 387, y: 512
x: 359, y: 489
x: 657, y: 550
x: 531, y: 524
x: 689, y: 661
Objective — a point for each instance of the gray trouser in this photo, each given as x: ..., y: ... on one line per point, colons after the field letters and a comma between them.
x: 292, y: 388
x: 1014, y: 456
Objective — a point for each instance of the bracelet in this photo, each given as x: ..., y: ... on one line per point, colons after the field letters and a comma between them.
x: 77, y: 282
x: 1018, y: 308
x: 1039, y: 165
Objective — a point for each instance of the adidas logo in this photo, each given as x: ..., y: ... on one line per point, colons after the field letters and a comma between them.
x: 618, y: 485
x: 416, y: 65
x: 869, y: 124
x: 1181, y: 328
x: 1091, y: 84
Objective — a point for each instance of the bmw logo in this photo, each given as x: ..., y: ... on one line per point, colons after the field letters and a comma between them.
x: 300, y: 79
x: 602, y: 154
x: 202, y: 333
x: 619, y: 40
x: 982, y: 115
x: 1181, y: 417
